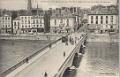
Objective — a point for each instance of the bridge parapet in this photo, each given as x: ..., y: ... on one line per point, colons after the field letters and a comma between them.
x: 69, y: 61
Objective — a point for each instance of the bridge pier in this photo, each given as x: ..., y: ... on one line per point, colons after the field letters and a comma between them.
x: 73, y: 64
x: 82, y: 49
x: 76, y: 60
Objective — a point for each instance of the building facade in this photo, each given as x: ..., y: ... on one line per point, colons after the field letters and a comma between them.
x: 25, y: 23
x: 28, y: 24
x: 103, y: 22
x: 62, y: 23
x: 16, y: 26
x: 37, y: 24
x: 6, y: 24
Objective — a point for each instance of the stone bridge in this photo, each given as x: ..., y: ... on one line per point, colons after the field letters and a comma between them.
x: 54, y: 60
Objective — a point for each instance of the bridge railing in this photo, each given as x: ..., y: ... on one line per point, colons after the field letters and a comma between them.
x: 28, y: 58
x: 73, y: 51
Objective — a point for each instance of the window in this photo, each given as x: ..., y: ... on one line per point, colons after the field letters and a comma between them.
x: 106, y: 19
x: 22, y: 17
x: 15, y: 23
x: 96, y: 19
x: 5, y: 18
x: 91, y: 19
x: 101, y: 19
x: 29, y: 22
x: 111, y: 26
x: 55, y: 22
x: 37, y: 26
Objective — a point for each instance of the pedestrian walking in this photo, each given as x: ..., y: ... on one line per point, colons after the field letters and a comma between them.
x: 64, y: 54
x: 45, y: 75
x: 75, y: 39
x: 27, y: 60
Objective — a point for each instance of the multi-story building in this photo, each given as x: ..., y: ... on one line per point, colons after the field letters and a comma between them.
x: 16, y: 26
x: 60, y: 23
x: 28, y: 24
x: 6, y: 24
x: 37, y: 24
x: 25, y: 23
x: 64, y: 14
x: 103, y: 22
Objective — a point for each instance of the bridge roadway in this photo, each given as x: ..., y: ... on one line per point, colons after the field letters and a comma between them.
x: 50, y: 61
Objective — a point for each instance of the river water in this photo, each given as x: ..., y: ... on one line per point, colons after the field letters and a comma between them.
x: 101, y: 59
x: 13, y: 51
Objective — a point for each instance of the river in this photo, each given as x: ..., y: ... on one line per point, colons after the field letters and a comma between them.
x: 13, y: 51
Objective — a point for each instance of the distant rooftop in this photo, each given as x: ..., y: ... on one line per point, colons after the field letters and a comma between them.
x: 62, y: 15
x: 17, y: 18
x: 104, y: 10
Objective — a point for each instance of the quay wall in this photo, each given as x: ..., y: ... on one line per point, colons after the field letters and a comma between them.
x: 31, y: 37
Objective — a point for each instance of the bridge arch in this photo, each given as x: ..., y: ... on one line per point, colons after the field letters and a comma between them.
x: 69, y: 72
x: 76, y: 60
x: 66, y: 72
x: 82, y: 49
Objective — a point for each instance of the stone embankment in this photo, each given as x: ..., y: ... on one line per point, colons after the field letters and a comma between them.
x: 31, y: 37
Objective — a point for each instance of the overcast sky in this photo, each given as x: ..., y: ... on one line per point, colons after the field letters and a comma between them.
x: 45, y: 4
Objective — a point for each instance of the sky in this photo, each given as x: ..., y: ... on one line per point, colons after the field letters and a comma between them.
x: 46, y: 4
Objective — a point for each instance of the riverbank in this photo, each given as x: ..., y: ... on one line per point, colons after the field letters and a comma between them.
x: 41, y: 36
